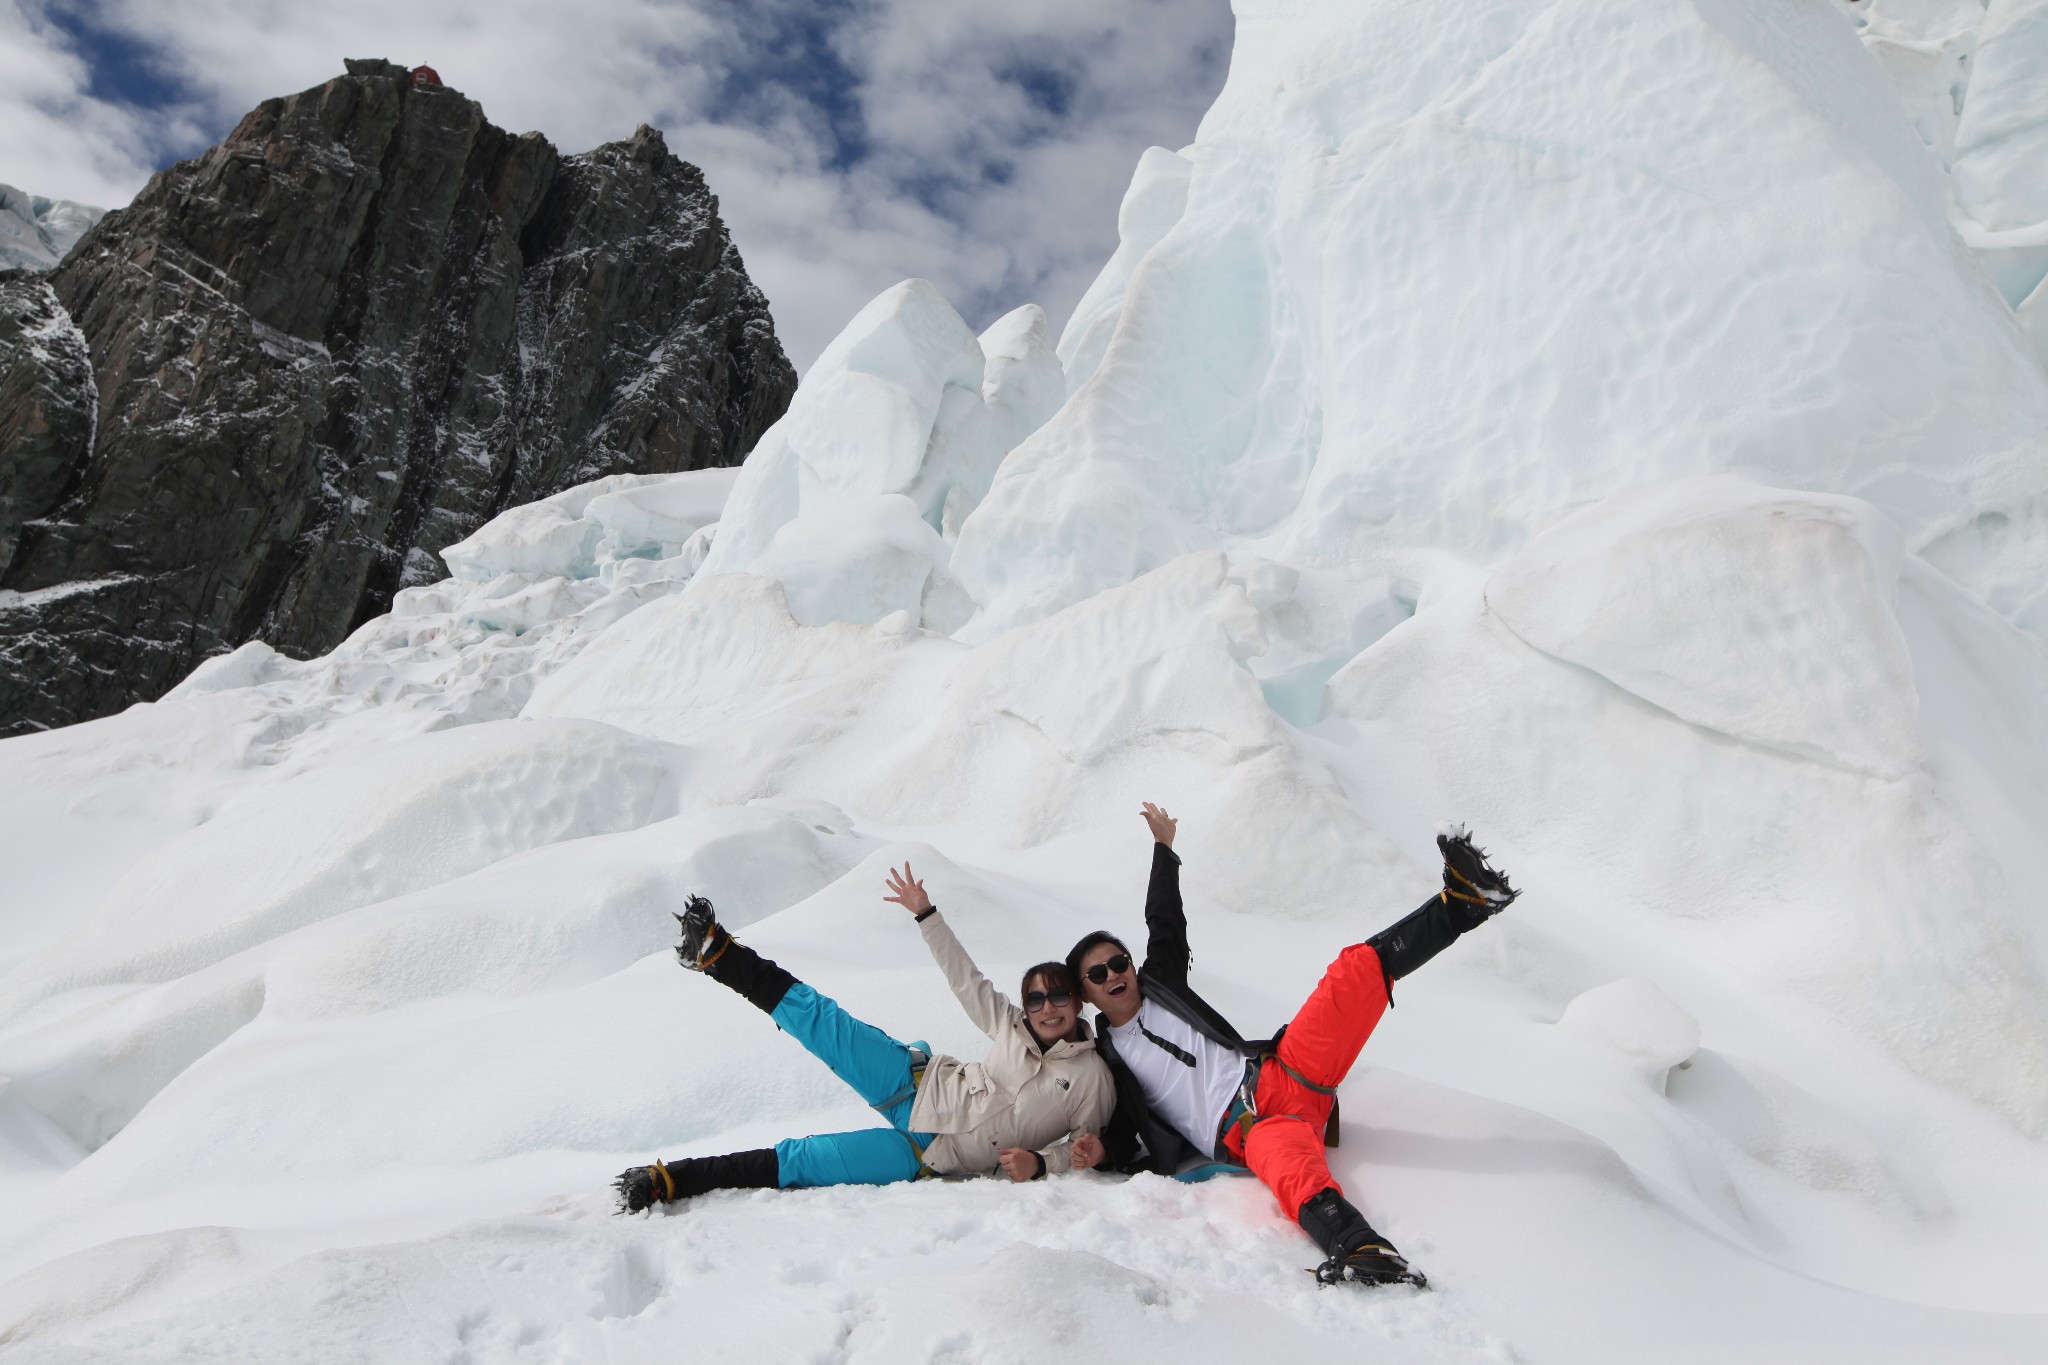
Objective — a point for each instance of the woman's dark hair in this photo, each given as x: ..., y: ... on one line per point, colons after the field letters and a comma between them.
x: 1056, y: 978
x: 1081, y: 950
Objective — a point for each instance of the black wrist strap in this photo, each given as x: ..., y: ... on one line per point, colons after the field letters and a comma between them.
x: 1041, y: 1166
x: 926, y: 913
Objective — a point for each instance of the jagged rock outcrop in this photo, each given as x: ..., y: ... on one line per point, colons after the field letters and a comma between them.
x: 332, y: 346
x: 46, y: 403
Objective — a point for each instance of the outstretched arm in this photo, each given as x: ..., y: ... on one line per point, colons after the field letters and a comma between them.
x: 1166, y: 922
x: 990, y: 1010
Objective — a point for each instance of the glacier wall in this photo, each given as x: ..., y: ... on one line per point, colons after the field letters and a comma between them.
x: 1601, y: 422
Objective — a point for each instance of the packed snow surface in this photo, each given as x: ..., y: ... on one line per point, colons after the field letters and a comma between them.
x: 1609, y: 423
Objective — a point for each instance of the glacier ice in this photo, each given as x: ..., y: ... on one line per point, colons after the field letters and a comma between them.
x: 1606, y: 422
x: 1568, y: 325
x: 35, y: 233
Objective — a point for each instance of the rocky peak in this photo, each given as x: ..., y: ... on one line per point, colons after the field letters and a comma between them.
x: 327, y: 349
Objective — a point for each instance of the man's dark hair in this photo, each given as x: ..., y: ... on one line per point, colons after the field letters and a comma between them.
x: 1081, y: 950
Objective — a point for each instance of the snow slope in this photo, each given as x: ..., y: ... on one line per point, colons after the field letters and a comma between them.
x: 1583, y: 419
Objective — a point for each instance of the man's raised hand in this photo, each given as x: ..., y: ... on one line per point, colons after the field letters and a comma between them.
x: 907, y: 891
x: 1163, y: 825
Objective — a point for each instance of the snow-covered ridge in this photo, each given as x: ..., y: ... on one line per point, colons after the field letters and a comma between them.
x: 1468, y: 426
x: 35, y: 232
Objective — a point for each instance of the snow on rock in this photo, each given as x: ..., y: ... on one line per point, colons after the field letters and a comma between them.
x: 1636, y: 1019
x: 1764, y: 615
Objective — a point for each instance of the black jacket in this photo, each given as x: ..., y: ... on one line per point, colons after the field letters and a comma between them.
x: 1135, y: 1139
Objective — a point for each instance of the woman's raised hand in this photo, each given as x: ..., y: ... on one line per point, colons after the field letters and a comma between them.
x: 907, y: 891
x: 1163, y: 825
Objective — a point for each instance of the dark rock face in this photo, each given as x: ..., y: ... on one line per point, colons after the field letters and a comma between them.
x: 333, y: 345
x: 46, y: 404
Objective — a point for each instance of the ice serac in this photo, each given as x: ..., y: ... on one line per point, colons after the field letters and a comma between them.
x: 338, y: 343
x: 1443, y: 269
x: 906, y: 404
x: 35, y: 233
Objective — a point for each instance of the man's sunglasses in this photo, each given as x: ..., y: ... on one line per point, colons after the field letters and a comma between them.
x: 1099, y: 973
x: 1034, y: 1001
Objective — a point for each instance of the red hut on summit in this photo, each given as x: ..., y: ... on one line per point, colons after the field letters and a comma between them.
x: 425, y: 75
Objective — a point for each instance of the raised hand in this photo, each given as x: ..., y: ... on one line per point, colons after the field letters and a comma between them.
x: 907, y: 891
x: 1085, y: 1152
x: 1163, y: 825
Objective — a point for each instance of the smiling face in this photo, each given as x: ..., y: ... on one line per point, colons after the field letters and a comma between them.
x: 1051, y: 1022
x: 1116, y: 995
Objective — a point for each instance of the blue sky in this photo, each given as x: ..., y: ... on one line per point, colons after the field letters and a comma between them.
x: 852, y: 143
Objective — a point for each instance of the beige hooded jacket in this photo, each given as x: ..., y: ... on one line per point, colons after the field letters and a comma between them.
x: 1018, y: 1097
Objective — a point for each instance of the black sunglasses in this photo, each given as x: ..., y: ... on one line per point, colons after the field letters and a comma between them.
x: 1034, y: 1001
x: 1099, y: 973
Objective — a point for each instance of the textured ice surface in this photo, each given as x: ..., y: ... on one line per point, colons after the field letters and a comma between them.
x: 1597, y: 421
x: 35, y: 232
x: 1444, y: 270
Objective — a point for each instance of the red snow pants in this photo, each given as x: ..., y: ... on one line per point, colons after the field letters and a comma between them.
x: 1285, y: 1147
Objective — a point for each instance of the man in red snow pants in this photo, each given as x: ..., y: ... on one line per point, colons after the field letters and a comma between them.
x: 1188, y: 1084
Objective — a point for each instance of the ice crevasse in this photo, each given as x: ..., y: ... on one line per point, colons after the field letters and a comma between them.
x: 1603, y: 421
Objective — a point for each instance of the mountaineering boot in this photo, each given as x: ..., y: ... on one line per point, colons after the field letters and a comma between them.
x: 1473, y: 893
x: 667, y: 1181
x: 1467, y: 877
x: 1355, y: 1251
x: 703, y: 940
x: 706, y: 947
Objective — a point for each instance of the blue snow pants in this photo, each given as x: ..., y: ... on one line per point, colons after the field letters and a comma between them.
x: 879, y: 1070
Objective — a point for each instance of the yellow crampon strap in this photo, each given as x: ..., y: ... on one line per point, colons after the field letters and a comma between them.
x: 705, y: 965
x: 668, y: 1181
x: 1474, y: 899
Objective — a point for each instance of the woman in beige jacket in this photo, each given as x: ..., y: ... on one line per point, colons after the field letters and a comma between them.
x: 1034, y: 1105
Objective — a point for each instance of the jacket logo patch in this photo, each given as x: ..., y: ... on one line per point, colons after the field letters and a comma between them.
x: 1063, y: 1083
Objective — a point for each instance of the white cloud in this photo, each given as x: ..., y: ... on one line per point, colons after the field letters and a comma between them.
x: 851, y: 142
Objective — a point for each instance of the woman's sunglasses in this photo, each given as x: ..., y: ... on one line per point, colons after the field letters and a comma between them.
x: 1099, y: 973
x: 1034, y: 1001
